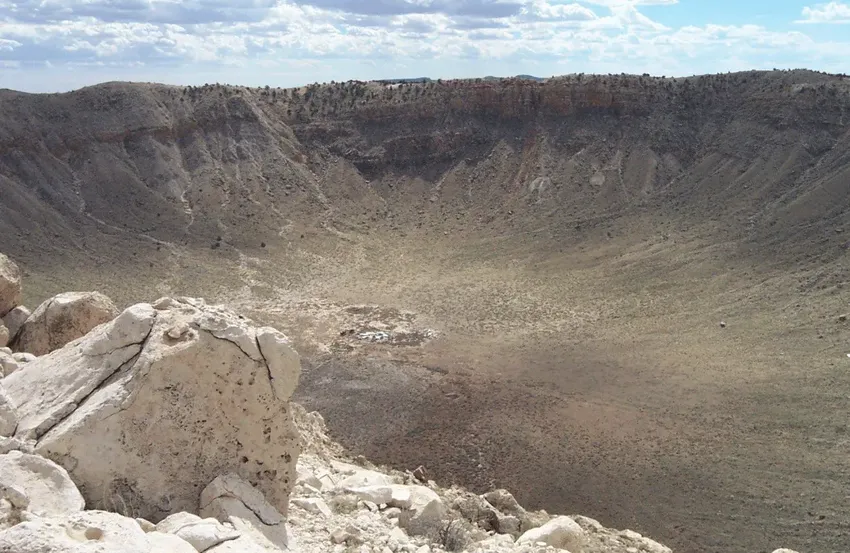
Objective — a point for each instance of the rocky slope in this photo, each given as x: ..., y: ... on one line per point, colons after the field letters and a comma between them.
x: 763, y: 152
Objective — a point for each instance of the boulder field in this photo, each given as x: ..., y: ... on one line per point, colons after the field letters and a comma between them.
x: 167, y: 428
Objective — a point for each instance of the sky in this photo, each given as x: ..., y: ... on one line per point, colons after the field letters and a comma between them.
x: 60, y: 45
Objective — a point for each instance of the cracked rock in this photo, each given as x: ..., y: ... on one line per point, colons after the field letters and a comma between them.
x: 99, y: 395
x: 230, y: 496
x: 66, y: 377
x: 62, y: 319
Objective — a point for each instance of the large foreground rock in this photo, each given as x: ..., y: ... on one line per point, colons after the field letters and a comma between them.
x: 61, y: 319
x: 10, y: 285
x: 148, y: 409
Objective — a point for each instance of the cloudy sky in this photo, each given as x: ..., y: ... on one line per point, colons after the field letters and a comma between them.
x: 56, y: 45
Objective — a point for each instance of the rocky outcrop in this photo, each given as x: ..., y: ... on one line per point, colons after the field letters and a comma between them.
x: 128, y: 406
x: 10, y: 285
x: 61, y: 319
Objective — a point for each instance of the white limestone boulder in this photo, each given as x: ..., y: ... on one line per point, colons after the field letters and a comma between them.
x: 15, y: 319
x: 62, y: 319
x: 47, y: 486
x: 4, y: 335
x: 8, y: 414
x: 560, y: 532
x: 200, y: 533
x: 82, y: 532
x: 425, y: 514
x: 128, y: 406
x: 10, y: 285
x: 230, y: 496
x: 53, y: 386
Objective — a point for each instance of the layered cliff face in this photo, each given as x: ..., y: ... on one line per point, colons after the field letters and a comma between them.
x: 189, y: 164
x: 514, y: 283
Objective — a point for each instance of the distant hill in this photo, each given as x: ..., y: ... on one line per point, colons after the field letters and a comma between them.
x: 407, y: 80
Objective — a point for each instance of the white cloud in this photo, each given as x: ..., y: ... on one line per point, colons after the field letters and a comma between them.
x: 8, y: 44
x: 301, y: 41
x: 543, y: 10
x: 834, y: 12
